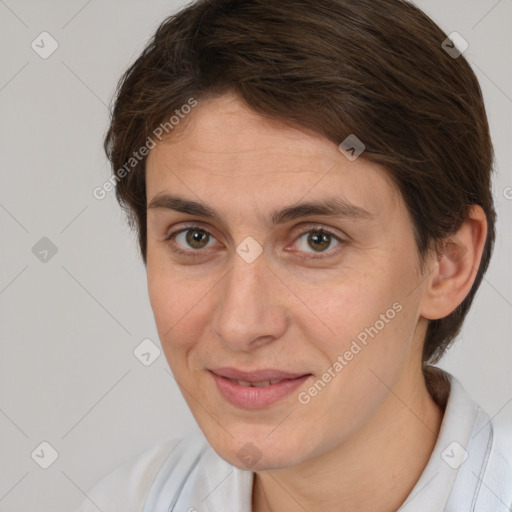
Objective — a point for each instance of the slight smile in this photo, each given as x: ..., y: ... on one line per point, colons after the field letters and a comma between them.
x: 257, y: 389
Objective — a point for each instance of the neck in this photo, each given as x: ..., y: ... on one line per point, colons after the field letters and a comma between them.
x: 375, y: 470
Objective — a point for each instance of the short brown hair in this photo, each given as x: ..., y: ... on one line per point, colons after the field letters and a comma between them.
x: 373, y: 68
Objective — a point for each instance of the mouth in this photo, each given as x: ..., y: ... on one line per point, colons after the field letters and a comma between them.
x: 257, y: 389
x: 259, y: 384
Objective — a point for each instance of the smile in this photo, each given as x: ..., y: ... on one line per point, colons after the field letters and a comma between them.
x: 255, y: 390
x: 255, y: 384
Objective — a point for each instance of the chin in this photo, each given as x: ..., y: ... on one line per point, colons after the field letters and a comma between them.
x: 257, y: 451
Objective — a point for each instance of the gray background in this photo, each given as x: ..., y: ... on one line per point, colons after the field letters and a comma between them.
x: 68, y: 375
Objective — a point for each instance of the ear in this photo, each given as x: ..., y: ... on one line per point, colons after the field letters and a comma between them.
x: 455, y: 267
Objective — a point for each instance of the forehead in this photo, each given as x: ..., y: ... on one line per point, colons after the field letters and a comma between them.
x: 225, y: 147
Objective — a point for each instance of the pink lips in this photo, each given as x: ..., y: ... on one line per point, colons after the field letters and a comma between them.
x: 255, y: 397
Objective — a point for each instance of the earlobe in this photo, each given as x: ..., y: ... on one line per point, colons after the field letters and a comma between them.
x: 457, y: 260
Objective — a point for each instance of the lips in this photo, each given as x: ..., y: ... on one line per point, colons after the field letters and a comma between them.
x: 256, y: 376
x: 256, y: 389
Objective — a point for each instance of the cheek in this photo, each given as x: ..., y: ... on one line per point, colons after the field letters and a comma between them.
x: 365, y: 352
x: 180, y: 306
x: 368, y: 320
x: 169, y: 295
x: 167, y: 299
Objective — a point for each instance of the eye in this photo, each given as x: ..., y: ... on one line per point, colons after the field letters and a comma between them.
x: 318, y: 239
x: 194, y: 238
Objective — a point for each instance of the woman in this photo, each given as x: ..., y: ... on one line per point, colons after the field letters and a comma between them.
x: 310, y: 183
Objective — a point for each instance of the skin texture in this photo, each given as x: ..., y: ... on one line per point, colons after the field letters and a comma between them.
x: 365, y: 438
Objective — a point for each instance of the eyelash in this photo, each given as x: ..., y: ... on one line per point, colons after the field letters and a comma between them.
x: 197, y: 253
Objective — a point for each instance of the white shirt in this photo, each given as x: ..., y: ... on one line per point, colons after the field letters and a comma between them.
x: 467, y: 472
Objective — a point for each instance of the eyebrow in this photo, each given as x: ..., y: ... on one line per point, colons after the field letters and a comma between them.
x: 332, y: 207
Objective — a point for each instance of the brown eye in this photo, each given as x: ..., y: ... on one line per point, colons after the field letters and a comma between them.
x: 197, y: 238
x: 319, y: 240
x: 191, y: 240
x: 316, y: 240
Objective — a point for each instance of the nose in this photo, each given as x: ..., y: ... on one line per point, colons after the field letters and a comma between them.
x: 249, y: 312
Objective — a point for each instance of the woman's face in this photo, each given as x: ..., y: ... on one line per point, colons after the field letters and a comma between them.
x: 248, y: 286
